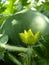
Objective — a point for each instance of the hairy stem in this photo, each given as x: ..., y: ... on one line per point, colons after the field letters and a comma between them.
x: 12, y: 58
x: 13, y: 48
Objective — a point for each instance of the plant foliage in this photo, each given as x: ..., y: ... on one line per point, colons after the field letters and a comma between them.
x: 30, y: 47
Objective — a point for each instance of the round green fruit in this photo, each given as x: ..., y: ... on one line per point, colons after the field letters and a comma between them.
x: 24, y: 20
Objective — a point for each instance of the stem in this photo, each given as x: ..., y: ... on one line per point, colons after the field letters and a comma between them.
x: 13, y: 48
x: 29, y: 55
x: 12, y: 58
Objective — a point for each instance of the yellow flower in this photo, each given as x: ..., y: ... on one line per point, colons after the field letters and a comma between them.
x: 28, y: 37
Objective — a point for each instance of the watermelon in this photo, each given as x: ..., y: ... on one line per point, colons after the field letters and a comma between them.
x: 24, y: 20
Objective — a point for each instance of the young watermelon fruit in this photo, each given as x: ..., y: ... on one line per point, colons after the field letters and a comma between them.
x: 24, y: 20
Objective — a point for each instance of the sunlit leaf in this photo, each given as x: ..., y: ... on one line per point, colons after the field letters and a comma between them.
x: 9, y: 7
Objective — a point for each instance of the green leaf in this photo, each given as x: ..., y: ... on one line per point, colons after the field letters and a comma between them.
x: 9, y: 7
x: 12, y: 58
x: 1, y: 55
x: 43, y: 7
x: 4, y: 39
x: 45, y: 40
x: 36, y: 0
x: 36, y: 36
x: 1, y: 35
x: 3, y: 18
x: 45, y: 43
x: 24, y: 2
